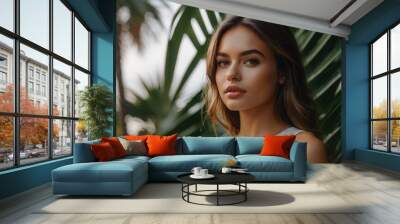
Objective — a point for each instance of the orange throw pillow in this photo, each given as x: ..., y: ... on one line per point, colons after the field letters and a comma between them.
x: 161, y: 145
x: 116, y: 145
x: 277, y: 145
x: 135, y: 137
x: 103, y: 151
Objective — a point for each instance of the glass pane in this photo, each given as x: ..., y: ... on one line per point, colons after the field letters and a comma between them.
x: 62, y: 29
x: 34, y: 97
x: 395, y: 94
x: 6, y: 142
x: 379, y: 55
x: 81, y: 45
x: 7, y: 14
x: 395, y: 47
x: 379, y: 135
x: 35, y: 21
x: 379, y: 97
x: 395, y: 136
x: 81, y: 131
x: 6, y: 74
x: 62, y: 89
x: 62, y: 138
x: 33, y: 139
x: 81, y: 81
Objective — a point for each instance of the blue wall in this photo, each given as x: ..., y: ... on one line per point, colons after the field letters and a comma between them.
x: 100, y: 17
x: 356, y: 84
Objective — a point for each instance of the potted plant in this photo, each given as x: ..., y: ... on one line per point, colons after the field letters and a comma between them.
x: 96, y: 104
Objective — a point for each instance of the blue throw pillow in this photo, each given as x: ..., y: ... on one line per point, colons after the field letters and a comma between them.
x: 249, y: 145
x: 206, y: 145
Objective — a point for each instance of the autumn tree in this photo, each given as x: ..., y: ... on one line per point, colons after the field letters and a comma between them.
x: 380, y: 127
x: 33, y: 130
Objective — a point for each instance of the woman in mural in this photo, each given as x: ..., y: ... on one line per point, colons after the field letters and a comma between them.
x: 257, y: 84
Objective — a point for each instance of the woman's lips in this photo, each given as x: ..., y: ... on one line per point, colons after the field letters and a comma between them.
x: 234, y: 94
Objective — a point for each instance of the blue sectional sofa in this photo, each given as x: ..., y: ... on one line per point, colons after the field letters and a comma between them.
x: 125, y: 176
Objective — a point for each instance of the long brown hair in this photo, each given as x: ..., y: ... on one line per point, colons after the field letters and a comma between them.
x: 294, y: 103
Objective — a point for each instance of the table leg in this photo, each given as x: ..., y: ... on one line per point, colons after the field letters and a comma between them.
x: 245, y: 193
x: 217, y: 194
x: 196, y: 188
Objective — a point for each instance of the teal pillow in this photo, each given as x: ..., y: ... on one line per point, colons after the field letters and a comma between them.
x: 206, y: 145
x: 249, y: 145
x: 83, y: 152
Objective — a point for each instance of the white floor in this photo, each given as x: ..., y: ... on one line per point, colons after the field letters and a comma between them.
x: 377, y: 189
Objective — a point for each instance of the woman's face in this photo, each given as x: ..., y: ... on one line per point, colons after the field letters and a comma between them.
x: 246, y: 74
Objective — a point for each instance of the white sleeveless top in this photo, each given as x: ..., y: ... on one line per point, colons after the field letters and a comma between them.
x: 290, y: 131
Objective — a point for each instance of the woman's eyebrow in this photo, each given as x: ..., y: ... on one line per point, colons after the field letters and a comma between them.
x: 251, y: 51
x: 247, y: 52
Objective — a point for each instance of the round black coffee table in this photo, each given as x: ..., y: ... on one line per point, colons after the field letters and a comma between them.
x: 238, y: 179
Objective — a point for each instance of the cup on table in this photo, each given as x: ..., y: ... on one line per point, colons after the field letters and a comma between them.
x: 226, y: 170
x: 203, y: 172
x: 196, y: 170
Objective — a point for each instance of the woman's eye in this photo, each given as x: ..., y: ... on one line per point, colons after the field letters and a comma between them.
x: 252, y: 62
x: 222, y: 63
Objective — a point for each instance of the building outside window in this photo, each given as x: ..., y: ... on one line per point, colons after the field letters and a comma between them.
x: 3, y: 72
x: 30, y: 87
x: 43, y: 90
x: 37, y: 74
x: 34, y: 75
x: 43, y: 78
x: 385, y: 91
x: 30, y: 72
x: 3, y: 61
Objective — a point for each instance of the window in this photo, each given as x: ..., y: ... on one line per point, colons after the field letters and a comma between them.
x: 43, y: 90
x: 30, y: 72
x: 3, y: 78
x: 30, y: 87
x: 7, y: 14
x: 3, y: 61
x: 37, y: 74
x: 3, y: 72
x: 81, y: 45
x: 38, y: 89
x: 385, y: 91
x: 54, y: 125
x: 7, y: 85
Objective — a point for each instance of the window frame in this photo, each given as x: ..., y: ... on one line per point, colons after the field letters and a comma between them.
x: 16, y: 115
x: 388, y: 74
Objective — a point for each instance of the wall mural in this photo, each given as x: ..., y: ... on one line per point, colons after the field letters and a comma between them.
x: 163, y: 87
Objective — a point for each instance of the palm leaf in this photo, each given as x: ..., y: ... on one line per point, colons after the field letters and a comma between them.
x: 321, y: 55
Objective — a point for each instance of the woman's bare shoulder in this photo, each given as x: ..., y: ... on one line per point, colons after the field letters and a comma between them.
x: 316, y: 151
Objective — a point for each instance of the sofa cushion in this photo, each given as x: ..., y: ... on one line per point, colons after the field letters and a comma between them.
x: 134, y: 147
x: 103, y: 151
x: 185, y: 163
x: 111, y: 171
x: 161, y: 145
x: 249, y: 145
x: 206, y: 145
x: 257, y: 163
x: 83, y: 152
x: 116, y: 145
x: 135, y: 137
x: 277, y: 145
x: 132, y: 158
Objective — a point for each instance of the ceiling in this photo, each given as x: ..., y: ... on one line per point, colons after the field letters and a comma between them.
x: 327, y: 16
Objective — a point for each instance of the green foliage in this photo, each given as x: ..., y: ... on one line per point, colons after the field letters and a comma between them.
x: 321, y: 58
x: 96, y: 102
x: 159, y: 106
